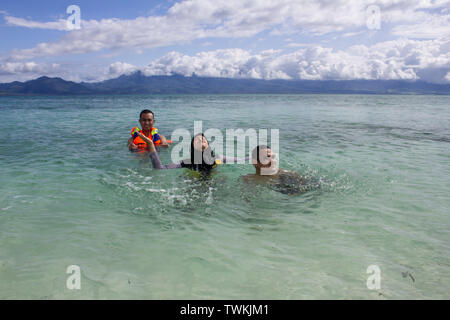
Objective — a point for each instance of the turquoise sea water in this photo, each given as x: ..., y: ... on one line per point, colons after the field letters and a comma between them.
x: 72, y: 194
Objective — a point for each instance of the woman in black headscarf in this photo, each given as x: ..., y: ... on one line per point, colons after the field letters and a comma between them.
x: 202, y: 157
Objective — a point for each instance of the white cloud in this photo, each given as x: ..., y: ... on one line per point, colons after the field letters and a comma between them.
x: 299, y: 45
x: 401, y: 59
x: 430, y: 28
x: 118, y: 68
x: 199, y: 19
x: 22, y: 71
x: 352, y: 34
x: 27, y: 67
x: 61, y: 24
x: 427, y: 60
x: 447, y: 77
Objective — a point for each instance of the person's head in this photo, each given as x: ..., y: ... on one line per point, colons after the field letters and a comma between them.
x: 262, y: 157
x: 146, y: 119
x: 199, y: 142
x: 202, y: 157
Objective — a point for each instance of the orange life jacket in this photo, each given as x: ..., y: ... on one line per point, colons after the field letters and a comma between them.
x: 141, y: 143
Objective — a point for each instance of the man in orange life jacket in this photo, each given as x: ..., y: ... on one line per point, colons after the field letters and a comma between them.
x: 146, y: 119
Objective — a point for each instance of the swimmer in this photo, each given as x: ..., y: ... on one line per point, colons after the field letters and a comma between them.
x: 268, y: 173
x: 147, y: 120
x: 202, y: 158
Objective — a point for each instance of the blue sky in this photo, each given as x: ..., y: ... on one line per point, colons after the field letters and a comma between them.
x: 265, y: 39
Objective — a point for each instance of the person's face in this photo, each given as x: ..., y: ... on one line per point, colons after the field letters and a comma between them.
x: 265, y: 159
x: 200, y: 143
x: 147, y: 121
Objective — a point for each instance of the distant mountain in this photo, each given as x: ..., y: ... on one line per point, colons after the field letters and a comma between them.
x: 44, y: 86
x: 138, y: 83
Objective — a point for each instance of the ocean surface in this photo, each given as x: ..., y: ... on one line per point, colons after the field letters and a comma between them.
x: 72, y: 194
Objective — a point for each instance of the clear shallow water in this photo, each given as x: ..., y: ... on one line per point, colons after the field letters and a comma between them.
x: 71, y: 193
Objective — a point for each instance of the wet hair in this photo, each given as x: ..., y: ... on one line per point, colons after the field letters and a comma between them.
x: 207, y: 157
x: 255, y: 152
x: 145, y: 111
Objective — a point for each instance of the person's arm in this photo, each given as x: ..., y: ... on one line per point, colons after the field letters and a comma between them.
x: 156, y: 162
x: 131, y: 145
x: 163, y: 141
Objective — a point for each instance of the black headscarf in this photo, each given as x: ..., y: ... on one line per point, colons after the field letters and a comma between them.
x: 205, y: 160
